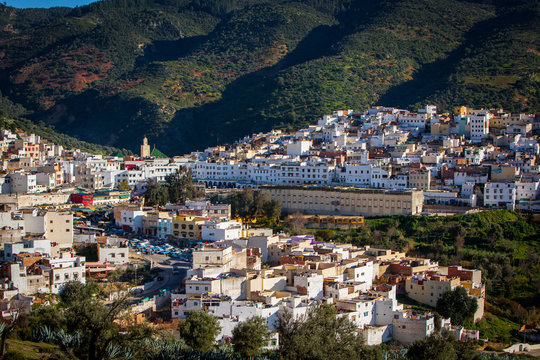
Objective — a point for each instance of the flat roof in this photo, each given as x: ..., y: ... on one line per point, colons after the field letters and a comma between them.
x: 341, y: 189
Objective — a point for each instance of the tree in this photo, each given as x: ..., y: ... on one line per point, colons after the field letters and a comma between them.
x: 102, y: 327
x: 325, y: 234
x: 457, y: 305
x: 321, y: 335
x: 123, y: 185
x: 250, y: 336
x: 156, y: 194
x: 248, y: 204
x: 434, y: 347
x: 199, y: 330
x: 442, y: 346
x: 180, y: 185
x: 272, y: 210
x: 297, y: 222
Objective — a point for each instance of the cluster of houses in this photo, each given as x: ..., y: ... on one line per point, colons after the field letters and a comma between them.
x: 38, y: 251
x: 395, y: 161
x: 266, y: 275
x: 379, y: 162
x: 468, y: 159
x: 31, y: 165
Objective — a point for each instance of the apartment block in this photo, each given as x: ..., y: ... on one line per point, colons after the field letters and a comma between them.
x: 346, y: 201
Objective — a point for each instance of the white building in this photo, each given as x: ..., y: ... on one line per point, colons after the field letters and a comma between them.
x: 131, y: 220
x: 309, y: 284
x: 297, y: 148
x: 479, y: 125
x: 215, y: 230
x: 68, y: 267
x: 500, y: 194
x: 164, y: 228
x: 113, y: 254
x: 23, y: 183
x: 527, y: 190
x: 57, y: 227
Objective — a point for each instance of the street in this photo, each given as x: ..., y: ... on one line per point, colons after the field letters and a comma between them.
x: 174, y: 271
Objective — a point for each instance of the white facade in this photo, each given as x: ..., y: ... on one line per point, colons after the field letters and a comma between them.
x: 479, y: 125
x: 362, y: 273
x: 527, y: 190
x: 113, y: 255
x: 297, y: 148
x: 23, y: 183
x: 224, y: 230
x: 500, y: 194
x: 131, y: 219
x: 309, y: 284
x: 414, y: 119
x: 408, y: 328
x: 67, y: 267
x: 357, y: 174
x: 164, y: 228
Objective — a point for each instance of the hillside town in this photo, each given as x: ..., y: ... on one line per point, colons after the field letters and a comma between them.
x: 349, y: 166
x: 416, y: 161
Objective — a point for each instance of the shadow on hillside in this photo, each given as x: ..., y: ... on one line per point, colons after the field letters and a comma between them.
x: 242, y: 100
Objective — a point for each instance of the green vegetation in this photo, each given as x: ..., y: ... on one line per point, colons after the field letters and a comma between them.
x: 251, y: 205
x: 28, y: 350
x: 191, y: 73
x: 457, y: 305
x: 503, y: 244
x: 79, y: 325
x: 83, y: 326
x: 199, y: 330
x: 178, y: 188
x: 322, y: 335
x: 89, y: 252
x: 498, y: 329
x: 442, y: 346
x: 250, y: 336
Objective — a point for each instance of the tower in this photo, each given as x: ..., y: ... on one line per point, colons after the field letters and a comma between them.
x: 145, y: 148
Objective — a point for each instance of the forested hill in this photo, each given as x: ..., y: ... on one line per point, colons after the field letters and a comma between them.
x: 192, y: 73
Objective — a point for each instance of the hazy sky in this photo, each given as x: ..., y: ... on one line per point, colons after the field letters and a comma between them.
x: 45, y: 3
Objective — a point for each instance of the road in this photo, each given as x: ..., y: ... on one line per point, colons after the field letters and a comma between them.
x: 170, y: 280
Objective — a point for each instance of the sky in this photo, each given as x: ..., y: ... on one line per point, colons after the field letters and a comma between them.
x: 45, y: 3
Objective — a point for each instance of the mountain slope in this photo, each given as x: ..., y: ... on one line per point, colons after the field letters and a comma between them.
x: 195, y: 73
